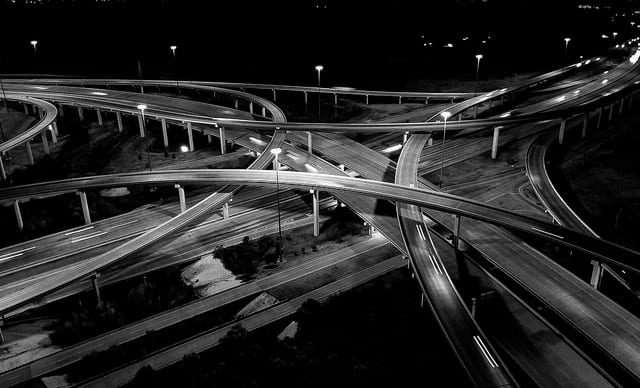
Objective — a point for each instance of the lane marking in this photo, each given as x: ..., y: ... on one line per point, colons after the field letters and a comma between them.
x: 548, y: 233
x: 485, y: 351
x: 87, y: 237
x: 16, y: 252
x: 79, y: 231
x: 123, y: 224
x: 420, y: 232
x: 435, y: 264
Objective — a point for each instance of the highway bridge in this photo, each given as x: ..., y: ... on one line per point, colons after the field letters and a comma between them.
x: 410, y: 233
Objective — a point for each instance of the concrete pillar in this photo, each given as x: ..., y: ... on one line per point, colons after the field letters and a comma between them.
x: 35, y: 109
x: 45, y: 142
x: 251, y: 107
x: 85, y: 207
x: 494, y: 144
x: 405, y: 138
x: 335, y: 99
x: 26, y: 109
x: 165, y: 136
x: 60, y: 110
x: 490, y: 104
x: 621, y: 105
x: 430, y: 141
x: 40, y: 112
x: 596, y: 274
x: 310, y: 143
x: 225, y: 211
x: 223, y: 141
x: 99, y: 114
x: 399, y: 99
x: 611, y: 111
x: 264, y: 112
x: 16, y: 209
x: 80, y: 113
x: 585, y: 124
x: 54, y: 132
x: 422, y: 299
x: 306, y: 98
x: 141, y: 89
x: 96, y: 287
x: 4, y: 173
x: 119, y: 120
x: 183, y: 200
x: 502, y: 99
x: 141, y: 126
x: 456, y: 232
x: 366, y: 99
x: 190, y: 134
x: 426, y: 101
x: 599, y: 118
x: 235, y: 103
x: 474, y: 302
x: 475, y: 111
x: 316, y: 212
x: 209, y: 139
x: 29, y: 153
x: 274, y: 95
x: 563, y: 126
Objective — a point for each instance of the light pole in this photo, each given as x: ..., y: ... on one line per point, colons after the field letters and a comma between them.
x: 478, y: 57
x: 142, y: 108
x: 614, y: 36
x: 276, y: 152
x: 445, y: 116
x: 175, y: 67
x: 319, y: 68
x: 34, y: 43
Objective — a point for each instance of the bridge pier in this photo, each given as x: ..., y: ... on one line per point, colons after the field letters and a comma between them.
x: 366, y: 99
x: 494, y: 144
x: 405, y: 137
x: 274, y: 95
x: 45, y: 142
x: 611, y: 111
x: 426, y: 101
x: 421, y: 299
x: 235, y: 103
x: 251, y: 107
x: 99, y: 114
x: 29, y: 153
x: 563, y: 126
x: 316, y: 212
x: 183, y: 200
x: 4, y: 173
x: 141, y: 125
x: 80, y: 113
x: 40, y: 113
x: 599, y: 118
x: 596, y: 274
x: 585, y: 124
x: 225, y: 211
x: 310, y: 143
x: 96, y: 287
x: 264, y: 112
x: 621, y: 105
x: 119, y: 120
x: 16, y: 209
x: 335, y: 99
x: 85, y: 207
x: 400, y: 100
x: 430, y: 141
x: 190, y: 135
x: 223, y: 141
x: 475, y: 111
x: 165, y: 135
x: 54, y: 132
x: 456, y: 232
x: 209, y: 139
x: 26, y: 109
x: 60, y: 110
x: 306, y: 98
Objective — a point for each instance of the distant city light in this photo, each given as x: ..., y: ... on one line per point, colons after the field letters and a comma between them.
x: 184, y: 148
x: 445, y: 115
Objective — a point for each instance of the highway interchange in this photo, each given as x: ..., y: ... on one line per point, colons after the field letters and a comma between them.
x: 604, y: 323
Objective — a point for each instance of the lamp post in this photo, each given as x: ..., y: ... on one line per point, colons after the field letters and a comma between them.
x: 175, y: 67
x: 34, y: 43
x: 142, y: 108
x: 276, y: 152
x: 478, y: 57
x: 614, y: 36
x: 445, y: 116
x: 319, y: 68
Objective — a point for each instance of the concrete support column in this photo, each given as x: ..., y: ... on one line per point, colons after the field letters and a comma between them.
x: 366, y: 99
x: 596, y: 274
x: 309, y: 142
x: 502, y: 99
x: 45, y: 142
x: 190, y: 134
x: 264, y: 112
x: 225, y: 211
x: 316, y: 212
x: 85, y: 207
x: 4, y: 173
x: 54, y: 132
x: 274, y: 95
x: 426, y: 101
x: 430, y: 142
x: 96, y: 287
x: 16, y: 209
x: 335, y: 99
x: 563, y: 126
x: 26, y: 109
x: 400, y: 100
x: 141, y: 126
x: 29, y: 153
x: 490, y: 104
x: 456, y: 232
x: 611, y: 111
x: 251, y: 107
x: 475, y: 111
x: 599, y: 117
x: 183, y: 199
x: 235, y: 103
x: 405, y: 138
x: 621, y: 105
x: 165, y: 135
x: 35, y: 109
x: 422, y: 299
x: 209, y: 139
x: 494, y: 144
x: 99, y: 114
x: 60, y: 110
x: 40, y: 113
x: 223, y: 141
x: 585, y: 124
x: 119, y: 120
x: 306, y: 98
x: 80, y: 113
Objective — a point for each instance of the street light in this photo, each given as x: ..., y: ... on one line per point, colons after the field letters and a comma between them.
x: 478, y: 57
x: 319, y: 68
x: 445, y: 116
x: 142, y: 108
x: 175, y: 67
x: 614, y: 35
x: 276, y: 152
x: 34, y: 43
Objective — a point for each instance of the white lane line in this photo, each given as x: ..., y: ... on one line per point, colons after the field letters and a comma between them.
x: 79, y: 231
x: 75, y: 240
x: 11, y: 257
x: 485, y: 351
x: 545, y: 232
x: 435, y: 264
x: 123, y: 224
x: 420, y: 232
x: 16, y: 252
